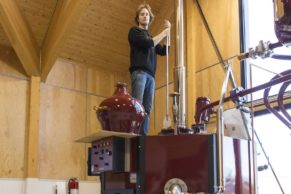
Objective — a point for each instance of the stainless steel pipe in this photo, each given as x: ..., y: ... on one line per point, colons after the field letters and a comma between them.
x: 180, y: 71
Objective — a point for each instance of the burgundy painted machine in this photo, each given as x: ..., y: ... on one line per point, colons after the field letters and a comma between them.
x: 186, y: 163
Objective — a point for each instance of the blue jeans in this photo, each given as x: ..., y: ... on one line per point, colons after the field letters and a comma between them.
x: 143, y: 88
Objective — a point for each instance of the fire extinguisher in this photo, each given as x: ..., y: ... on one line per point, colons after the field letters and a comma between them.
x: 73, y: 186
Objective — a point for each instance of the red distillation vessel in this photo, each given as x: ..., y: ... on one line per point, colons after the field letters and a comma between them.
x: 282, y: 16
x: 121, y: 112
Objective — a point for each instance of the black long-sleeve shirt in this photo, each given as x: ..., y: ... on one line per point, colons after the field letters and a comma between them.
x: 143, y: 53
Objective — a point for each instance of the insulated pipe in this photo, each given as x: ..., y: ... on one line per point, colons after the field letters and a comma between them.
x: 267, y: 103
x: 245, y: 92
x: 179, y: 71
x: 281, y: 57
x: 281, y: 100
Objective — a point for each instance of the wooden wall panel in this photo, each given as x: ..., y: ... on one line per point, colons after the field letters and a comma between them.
x: 93, y: 124
x: 67, y: 113
x: 13, y: 122
x: 103, y: 82
x: 209, y: 83
x: 160, y: 108
x: 100, y: 82
x: 67, y: 74
x: 62, y: 122
x: 223, y: 20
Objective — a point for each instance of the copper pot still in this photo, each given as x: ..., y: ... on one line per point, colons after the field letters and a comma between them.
x: 282, y: 16
x: 121, y: 112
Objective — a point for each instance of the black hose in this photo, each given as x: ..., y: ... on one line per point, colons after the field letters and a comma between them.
x: 281, y: 57
x: 275, y: 45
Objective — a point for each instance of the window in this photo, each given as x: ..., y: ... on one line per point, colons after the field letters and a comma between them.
x: 274, y: 135
x: 276, y: 140
x: 261, y: 27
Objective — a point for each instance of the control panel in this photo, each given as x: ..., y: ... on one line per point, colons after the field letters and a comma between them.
x: 108, y: 155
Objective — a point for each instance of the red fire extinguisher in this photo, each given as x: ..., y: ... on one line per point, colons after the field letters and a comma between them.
x: 73, y: 186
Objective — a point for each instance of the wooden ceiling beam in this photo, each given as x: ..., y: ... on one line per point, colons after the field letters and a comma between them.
x: 65, y: 18
x: 20, y: 36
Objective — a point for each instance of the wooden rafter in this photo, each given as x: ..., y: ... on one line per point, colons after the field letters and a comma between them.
x: 20, y: 36
x: 65, y: 18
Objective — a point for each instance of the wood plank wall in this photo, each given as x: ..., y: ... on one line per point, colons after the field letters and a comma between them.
x: 14, y: 94
x: 223, y: 19
x: 66, y: 114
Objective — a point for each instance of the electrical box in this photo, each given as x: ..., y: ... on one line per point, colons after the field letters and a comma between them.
x: 107, y: 155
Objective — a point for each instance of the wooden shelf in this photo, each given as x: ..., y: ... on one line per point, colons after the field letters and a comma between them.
x: 102, y: 134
